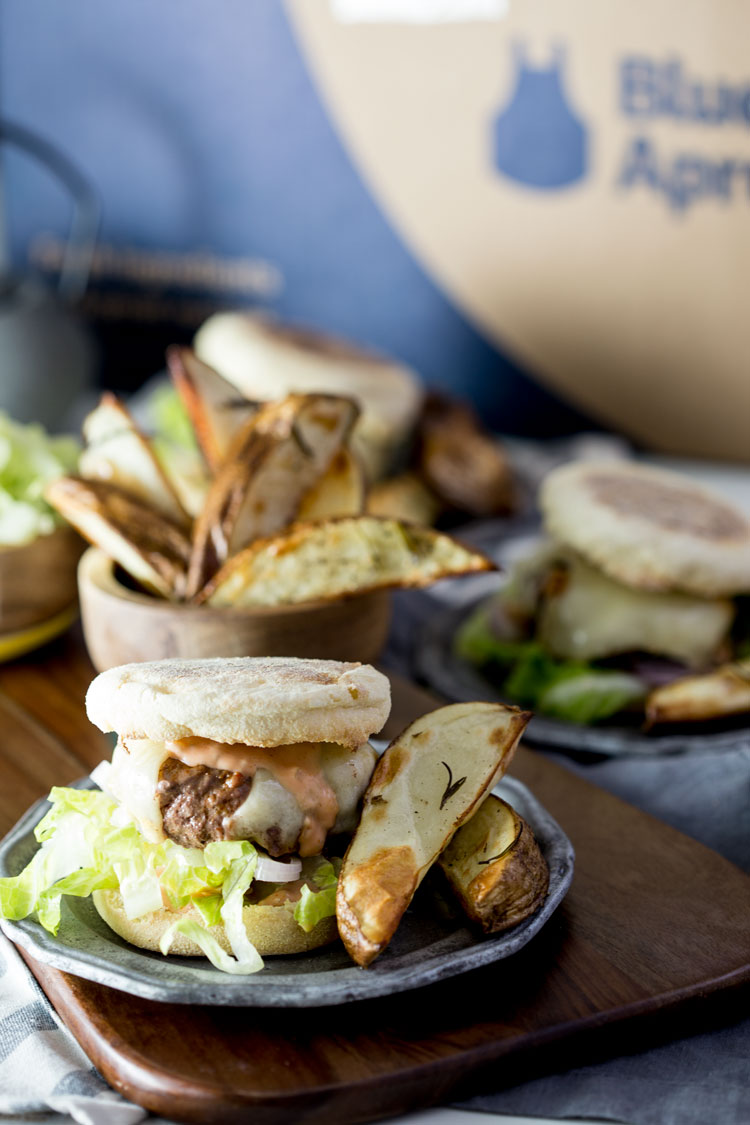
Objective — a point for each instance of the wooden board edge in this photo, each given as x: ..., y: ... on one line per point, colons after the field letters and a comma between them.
x: 410, y: 1088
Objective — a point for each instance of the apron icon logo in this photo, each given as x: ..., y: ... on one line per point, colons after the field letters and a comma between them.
x: 538, y: 139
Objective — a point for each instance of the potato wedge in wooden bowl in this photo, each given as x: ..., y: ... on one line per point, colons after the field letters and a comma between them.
x: 338, y: 558
x: 339, y: 492
x: 274, y: 461
x: 118, y: 453
x: 143, y: 542
x: 263, y: 510
x: 215, y: 408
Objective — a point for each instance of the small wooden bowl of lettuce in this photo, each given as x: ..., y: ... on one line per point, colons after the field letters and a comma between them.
x: 38, y: 552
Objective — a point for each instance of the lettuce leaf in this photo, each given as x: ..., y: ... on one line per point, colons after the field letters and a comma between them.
x: 574, y: 690
x: 86, y: 846
x: 88, y: 843
x: 170, y: 419
x: 29, y: 460
x: 210, y: 947
x: 313, y: 906
x: 590, y: 696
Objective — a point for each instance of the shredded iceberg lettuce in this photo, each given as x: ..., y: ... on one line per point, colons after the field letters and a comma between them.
x: 313, y: 906
x: 566, y: 689
x: 87, y: 845
x: 29, y: 460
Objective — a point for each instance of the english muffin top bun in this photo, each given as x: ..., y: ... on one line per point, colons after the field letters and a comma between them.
x: 649, y: 528
x: 259, y: 701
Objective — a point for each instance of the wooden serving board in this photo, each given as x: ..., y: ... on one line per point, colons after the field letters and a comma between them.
x: 654, y: 934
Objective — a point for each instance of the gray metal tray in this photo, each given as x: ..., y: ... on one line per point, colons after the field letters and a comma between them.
x: 432, y: 942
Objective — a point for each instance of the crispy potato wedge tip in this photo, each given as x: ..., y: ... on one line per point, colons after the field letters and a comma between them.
x: 144, y: 543
x: 118, y: 453
x: 427, y: 784
x: 711, y: 696
x: 404, y: 497
x: 495, y: 867
x: 313, y: 562
x: 274, y: 461
x: 216, y: 409
x: 339, y: 492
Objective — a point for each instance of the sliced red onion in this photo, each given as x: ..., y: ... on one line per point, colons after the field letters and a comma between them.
x: 274, y: 871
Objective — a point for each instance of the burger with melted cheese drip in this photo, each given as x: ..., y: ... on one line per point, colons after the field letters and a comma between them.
x: 239, y: 772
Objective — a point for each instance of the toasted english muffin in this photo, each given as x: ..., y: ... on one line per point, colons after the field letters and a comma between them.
x: 272, y: 929
x: 258, y: 701
x: 649, y: 528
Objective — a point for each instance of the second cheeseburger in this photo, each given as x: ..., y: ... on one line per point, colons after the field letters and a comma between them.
x: 272, y: 752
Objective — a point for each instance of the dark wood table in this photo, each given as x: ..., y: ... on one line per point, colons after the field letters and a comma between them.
x: 653, y: 940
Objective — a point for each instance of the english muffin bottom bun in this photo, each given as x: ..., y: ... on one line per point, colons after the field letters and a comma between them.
x: 267, y: 360
x: 273, y: 930
x: 230, y: 792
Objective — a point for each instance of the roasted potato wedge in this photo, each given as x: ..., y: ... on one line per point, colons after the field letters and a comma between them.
x: 217, y: 410
x: 461, y: 462
x: 495, y: 867
x: 312, y: 562
x: 146, y: 544
x: 272, y: 464
x: 339, y: 492
x: 118, y: 453
x: 726, y: 691
x: 189, y: 476
x: 429, y: 781
x: 404, y: 497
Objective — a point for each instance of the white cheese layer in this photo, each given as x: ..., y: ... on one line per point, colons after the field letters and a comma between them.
x: 590, y: 616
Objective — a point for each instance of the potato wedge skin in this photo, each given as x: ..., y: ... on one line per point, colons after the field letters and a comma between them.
x: 143, y: 542
x: 497, y: 883
x: 405, y: 497
x: 377, y: 897
x: 217, y: 410
x: 338, y: 558
x: 339, y: 492
x: 275, y: 459
x: 725, y: 691
x: 427, y: 784
x: 118, y: 453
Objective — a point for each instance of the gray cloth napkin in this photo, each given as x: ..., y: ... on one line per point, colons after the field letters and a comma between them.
x: 42, y: 1068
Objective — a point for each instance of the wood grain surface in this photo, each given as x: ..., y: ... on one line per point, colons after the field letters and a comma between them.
x: 38, y: 579
x: 653, y: 934
x: 122, y: 626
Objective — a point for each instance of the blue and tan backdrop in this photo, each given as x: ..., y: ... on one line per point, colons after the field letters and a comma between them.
x: 543, y: 204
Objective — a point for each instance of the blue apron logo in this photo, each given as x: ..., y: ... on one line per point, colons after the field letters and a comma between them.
x: 538, y: 140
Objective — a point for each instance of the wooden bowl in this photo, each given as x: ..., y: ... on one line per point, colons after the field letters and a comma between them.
x: 38, y: 579
x: 121, y: 625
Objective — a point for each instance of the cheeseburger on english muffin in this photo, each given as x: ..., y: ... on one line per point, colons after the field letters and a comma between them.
x: 234, y: 770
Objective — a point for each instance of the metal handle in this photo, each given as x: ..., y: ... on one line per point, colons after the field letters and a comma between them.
x: 79, y: 249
